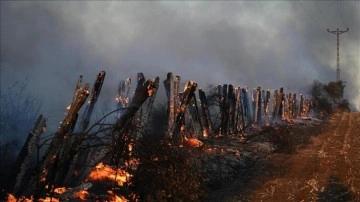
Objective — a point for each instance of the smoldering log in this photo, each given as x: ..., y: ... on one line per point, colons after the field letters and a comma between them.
x: 149, y: 106
x: 195, y: 119
x: 170, y: 91
x: 25, y: 155
x: 123, y: 96
x: 70, y: 154
x: 188, y: 93
x: 95, y: 92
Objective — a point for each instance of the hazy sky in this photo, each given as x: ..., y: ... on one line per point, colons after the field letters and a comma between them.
x: 266, y: 43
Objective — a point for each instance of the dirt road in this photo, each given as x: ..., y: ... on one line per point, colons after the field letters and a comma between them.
x: 326, y: 168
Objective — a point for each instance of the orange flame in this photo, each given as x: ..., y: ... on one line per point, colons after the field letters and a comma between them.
x: 205, y: 133
x: 48, y: 199
x: 12, y: 198
x: 103, y: 173
x: 82, y: 195
x: 193, y: 142
x: 60, y: 190
x: 115, y: 198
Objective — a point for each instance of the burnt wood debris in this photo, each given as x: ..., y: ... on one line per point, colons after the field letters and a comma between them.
x: 78, y: 145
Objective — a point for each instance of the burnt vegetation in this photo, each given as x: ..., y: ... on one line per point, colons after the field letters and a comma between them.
x: 181, y: 150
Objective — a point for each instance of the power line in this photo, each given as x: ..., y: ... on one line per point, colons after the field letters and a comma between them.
x: 322, y: 14
x: 309, y: 14
x: 339, y: 10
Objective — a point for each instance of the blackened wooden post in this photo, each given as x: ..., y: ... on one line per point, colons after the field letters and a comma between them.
x: 276, y: 106
x: 224, y: 110
x: 25, y: 155
x: 170, y: 87
x: 294, y: 106
x: 205, y: 114
x: 237, y: 109
x: 231, y: 109
x: 253, y: 104
x: 258, y: 105
x: 301, y: 107
x: 246, y: 105
x: 281, y: 103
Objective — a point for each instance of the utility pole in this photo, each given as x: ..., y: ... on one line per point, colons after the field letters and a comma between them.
x: 338, y: 32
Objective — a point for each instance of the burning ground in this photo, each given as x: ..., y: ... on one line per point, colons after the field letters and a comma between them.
x: 226, y: 145
x: 316, y: 160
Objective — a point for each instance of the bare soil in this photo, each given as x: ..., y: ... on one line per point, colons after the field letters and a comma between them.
x: 322, y: 165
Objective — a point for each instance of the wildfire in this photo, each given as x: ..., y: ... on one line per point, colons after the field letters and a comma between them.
x: 106, y: 173
x: 116, y: 198
x: 193, y: 142
x: 82, y: 195
x: 49, y: 199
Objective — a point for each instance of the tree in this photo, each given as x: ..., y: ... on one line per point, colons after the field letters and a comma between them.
x: 335, y: 91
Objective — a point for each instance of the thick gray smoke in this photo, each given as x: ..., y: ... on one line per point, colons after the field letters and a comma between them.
x: 252, y: 43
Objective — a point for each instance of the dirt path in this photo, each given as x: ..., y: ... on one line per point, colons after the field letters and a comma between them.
x: 326, y: 169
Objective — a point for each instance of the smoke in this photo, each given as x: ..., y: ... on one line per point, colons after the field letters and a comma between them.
x: 251, y: 43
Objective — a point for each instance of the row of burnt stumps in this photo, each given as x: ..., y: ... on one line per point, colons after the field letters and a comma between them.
x: 66, y: 158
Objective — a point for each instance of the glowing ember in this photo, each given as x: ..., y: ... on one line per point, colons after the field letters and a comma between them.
x: 205, y: 133
x: 193, y: 142
x: 150, y: 92
x: 103, y: 173
x: 116, y: 198
x: 48, y: 199
x: 83, y: 195
x: 60, y: 190
x: 12, y: 198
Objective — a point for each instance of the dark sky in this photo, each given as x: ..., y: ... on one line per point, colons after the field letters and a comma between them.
x: 266, y: 43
